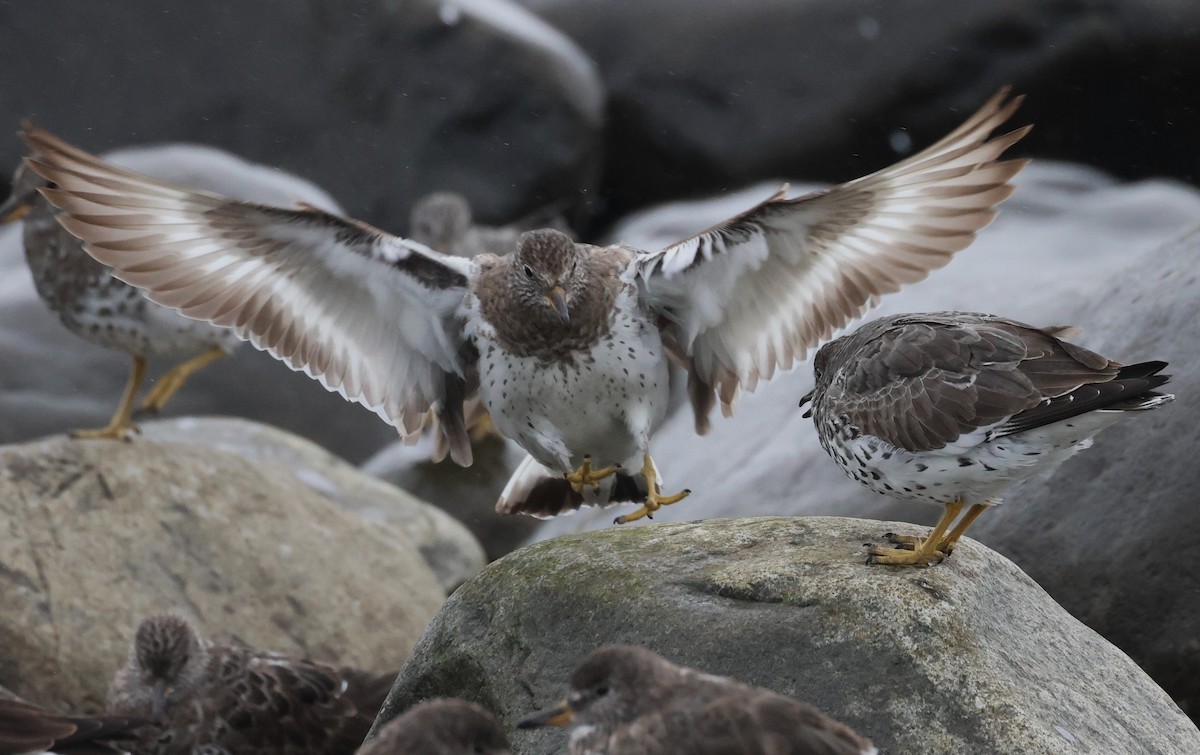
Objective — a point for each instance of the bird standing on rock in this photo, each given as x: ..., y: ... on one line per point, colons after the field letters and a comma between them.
x: 107, y: 311
x: 626, y: 699
x: 953, y: 408
x: 566, y: 343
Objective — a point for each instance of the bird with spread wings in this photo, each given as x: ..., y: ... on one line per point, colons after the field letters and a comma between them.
x: 567, y: 344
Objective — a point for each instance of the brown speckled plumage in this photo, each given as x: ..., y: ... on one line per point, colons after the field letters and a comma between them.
x: 27, y: 728
x: 953, y: 408
x: 440, y: 727
x: 238, y: 699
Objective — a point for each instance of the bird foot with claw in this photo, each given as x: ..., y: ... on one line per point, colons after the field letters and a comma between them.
x: 653, y: 502
x: 123, y: 432
x: 906, y: 555
x: 912, y: 543
x: 585, y: 476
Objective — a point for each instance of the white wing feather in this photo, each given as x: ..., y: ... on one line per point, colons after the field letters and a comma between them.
x: 754, y: 293
x: 373, y: 317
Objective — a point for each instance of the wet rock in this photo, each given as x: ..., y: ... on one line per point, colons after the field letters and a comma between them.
x: 972, y: 657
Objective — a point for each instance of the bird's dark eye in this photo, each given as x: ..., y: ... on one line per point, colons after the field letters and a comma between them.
x: 601, y: 691
x: 529, y: 272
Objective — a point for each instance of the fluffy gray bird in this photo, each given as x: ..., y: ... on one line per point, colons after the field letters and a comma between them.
x: 626, y: 699
x: 28, y: 728
x: 440, y: 727
x: 231, y: 698
x: 953, y: 408
x: 567, y: 344
x: 443, y: 221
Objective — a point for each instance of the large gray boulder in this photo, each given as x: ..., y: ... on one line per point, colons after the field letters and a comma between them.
x: 378, y: 101
x: 96, y: 535
x: 832, y: 89
x: 448, y: 547
x: 1070, y: 247
x: 971, y: 656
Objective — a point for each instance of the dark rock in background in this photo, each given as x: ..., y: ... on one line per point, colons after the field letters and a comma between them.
x: 378, y: 101
x: 705, y: 95
x: 975, y: 658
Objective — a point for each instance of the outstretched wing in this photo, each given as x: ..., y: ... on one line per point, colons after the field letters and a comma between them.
x: 372, y: 316
x: 754, y: 293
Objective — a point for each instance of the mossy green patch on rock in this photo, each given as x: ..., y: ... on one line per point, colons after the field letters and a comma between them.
x: 969, y: 655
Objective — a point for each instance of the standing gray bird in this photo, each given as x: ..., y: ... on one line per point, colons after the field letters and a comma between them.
x: 106, y: 311
x: 953, y: 408
x: 28, y: 728
x: 626, y: 700
x: 567, y: 344
x: 440, y: 727
x: 209, y: 697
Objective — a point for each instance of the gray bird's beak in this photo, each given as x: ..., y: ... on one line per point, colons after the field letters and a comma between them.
x: 559, y: 715
x: 557, y: 298
x: 805, y: 399
x: 13, y: 209
x: 160, y: 698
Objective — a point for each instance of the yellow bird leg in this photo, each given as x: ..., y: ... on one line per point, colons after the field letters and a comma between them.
x: 173, y: 379
x: 952, y: 537
x: 120, y: 425
x: 654, y: 500
x: 585, y: 475
x: 923, y: 554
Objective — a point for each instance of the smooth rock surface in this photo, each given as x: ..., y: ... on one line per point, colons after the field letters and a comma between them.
x: 53, y: 381
x: 95, y: 536
x: 448, y: 547
x: 378, y: 101
x: 831, y: 89
x: 969, y: 657
x: 1070, y: 247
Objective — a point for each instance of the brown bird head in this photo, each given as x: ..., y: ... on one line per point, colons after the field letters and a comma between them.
x: 548, y: 271
x: 440, y: 727
x: 167, y: 663
x: 440, y: 221
x: 612, y: 686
